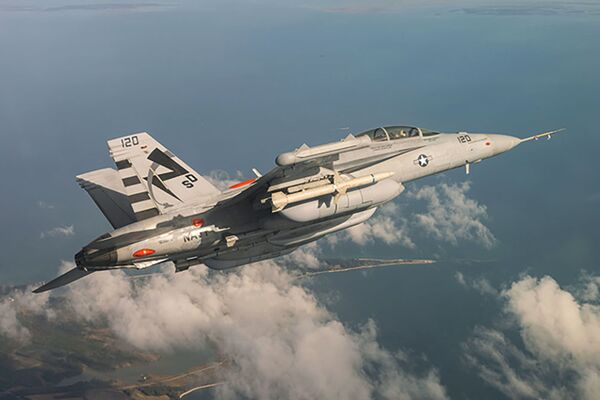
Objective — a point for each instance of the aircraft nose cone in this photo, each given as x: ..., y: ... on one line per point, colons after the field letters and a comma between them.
x: 502, y: 143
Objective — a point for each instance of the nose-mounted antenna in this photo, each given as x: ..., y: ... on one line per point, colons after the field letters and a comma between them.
x: 548, y: 135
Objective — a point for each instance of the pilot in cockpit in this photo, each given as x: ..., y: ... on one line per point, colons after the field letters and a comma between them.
x: 397, y: 133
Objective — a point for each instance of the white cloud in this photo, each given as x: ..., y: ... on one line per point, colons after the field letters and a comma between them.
x: 554, y: 324
x: 452, y: 216
x: 481, y: 285
x: 282, y: 341
x: 507, y: 368
x: 460, y: 278
x: 223, y: 180
x: 306, y: 257
x: 59, y: 231
x: 391, y: 382
x: 561, y: 339
x: 10, y: 326
x: 388, y: 226
x: 588, y: 289
x: 380, y: 228
x: 16, y: 303
x: 449, y: 216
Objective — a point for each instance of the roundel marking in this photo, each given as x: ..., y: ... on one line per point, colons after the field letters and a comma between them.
x: 423, y: 160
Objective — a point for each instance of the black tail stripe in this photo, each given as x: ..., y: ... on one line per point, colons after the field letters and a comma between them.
x: 152, y: 212
x: 123, y: 164
x: 131, y: 180
x: 136, y: 198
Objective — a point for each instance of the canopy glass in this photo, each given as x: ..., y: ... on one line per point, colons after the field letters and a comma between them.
x: 396, y: 132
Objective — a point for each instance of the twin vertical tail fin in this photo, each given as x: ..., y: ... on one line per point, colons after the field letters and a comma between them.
x: 106, y: 188
x: 149, y: 180
x: 155, y: 179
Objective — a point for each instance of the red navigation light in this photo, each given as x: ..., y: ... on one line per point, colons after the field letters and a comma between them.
x: 238, y: 185
x: 143, y: 253
x: 198, y: 222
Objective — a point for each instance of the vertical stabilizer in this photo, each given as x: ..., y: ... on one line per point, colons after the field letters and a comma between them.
x: 154, y: 178
x: 106, y: 189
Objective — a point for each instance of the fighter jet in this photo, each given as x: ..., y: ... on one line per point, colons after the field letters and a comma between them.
x: 162, y: 210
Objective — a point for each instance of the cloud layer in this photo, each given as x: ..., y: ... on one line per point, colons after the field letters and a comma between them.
x: 59, y: 231
x: 21, y: 301
x: 451, y: 216
x: 560, y: 358
x: 388, y: 226
x: 281, y: 341
x: 443, y: 212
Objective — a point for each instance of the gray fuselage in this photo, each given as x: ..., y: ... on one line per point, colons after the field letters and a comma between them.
x: 340, y: 185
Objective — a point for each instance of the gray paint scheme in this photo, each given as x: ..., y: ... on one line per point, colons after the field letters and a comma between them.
x: 177, y: 215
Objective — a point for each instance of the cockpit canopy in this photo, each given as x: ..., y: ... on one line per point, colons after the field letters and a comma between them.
x: 396, y: 132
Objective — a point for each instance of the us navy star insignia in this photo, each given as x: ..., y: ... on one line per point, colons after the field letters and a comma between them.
x: 422, y: 160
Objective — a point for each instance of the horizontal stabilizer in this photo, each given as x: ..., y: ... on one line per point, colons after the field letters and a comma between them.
x: 63, y: 280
